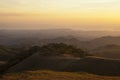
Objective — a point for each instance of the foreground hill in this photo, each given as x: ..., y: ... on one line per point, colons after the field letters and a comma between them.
x: 52, y: 75
x: 62, y: 57
x: 51, y: 51
x: 94, y: 65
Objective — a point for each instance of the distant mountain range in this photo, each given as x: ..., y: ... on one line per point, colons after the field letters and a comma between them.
x: 84, y: 39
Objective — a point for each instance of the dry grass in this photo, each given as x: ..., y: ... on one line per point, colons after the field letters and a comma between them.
x: 52, y: 75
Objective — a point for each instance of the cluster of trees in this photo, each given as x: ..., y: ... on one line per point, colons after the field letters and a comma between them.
x: 60, y: 49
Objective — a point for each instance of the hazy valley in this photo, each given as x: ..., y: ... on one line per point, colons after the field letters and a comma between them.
x: 59, y: 51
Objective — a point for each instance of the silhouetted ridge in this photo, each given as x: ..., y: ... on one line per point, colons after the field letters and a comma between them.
x: 54, y: 50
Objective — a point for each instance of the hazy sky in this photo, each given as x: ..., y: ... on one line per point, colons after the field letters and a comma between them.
x: 73, y: 14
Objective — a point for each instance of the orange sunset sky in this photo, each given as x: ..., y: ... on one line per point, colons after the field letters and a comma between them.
x: 49, y: 14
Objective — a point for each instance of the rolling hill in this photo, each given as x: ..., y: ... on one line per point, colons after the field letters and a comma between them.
x: 102, y: 41
x: 50, y: 51
x: 94, y: 65
x: 47, y: 59
x: 80, y: 38
x: 62, y: 57
x: 108, y: 51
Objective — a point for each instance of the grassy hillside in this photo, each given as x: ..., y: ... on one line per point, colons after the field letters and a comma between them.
x: 36, y: 53
x: 61, y: 57
x: 94, y: 65
x: 52, y: 75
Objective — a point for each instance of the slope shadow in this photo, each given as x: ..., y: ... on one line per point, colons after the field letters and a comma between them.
x: 99, y: 66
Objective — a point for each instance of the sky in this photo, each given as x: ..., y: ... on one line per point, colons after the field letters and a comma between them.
x: 71, y: 14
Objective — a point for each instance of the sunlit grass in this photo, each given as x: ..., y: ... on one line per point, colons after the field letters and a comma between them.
x: 53, y: 75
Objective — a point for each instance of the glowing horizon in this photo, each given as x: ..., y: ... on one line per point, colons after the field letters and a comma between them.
x: 74, y: 14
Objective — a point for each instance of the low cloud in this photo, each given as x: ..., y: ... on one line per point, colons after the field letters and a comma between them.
x: 11, y: 14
